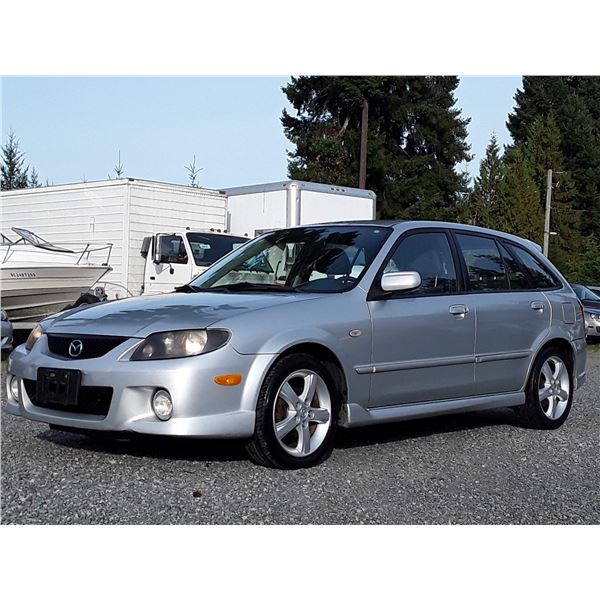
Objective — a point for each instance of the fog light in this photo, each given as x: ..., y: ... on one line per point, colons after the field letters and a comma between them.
x: 13, y: 388
x: 162, y: 405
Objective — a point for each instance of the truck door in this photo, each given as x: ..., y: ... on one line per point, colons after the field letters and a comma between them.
x: 168, y: 266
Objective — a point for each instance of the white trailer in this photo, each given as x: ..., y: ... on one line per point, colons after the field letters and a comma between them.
x: 253, y: 209
x: 123, y: 212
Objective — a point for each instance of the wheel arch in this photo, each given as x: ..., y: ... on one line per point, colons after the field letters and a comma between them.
x: 555, y: 342
x: 325, y: 355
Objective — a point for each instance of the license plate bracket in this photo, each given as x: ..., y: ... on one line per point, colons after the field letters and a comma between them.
x: 58, y: 386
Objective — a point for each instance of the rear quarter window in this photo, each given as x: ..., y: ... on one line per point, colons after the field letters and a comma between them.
x: 539, y: 275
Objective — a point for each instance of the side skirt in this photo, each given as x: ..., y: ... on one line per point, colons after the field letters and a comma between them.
x: 355, y: 415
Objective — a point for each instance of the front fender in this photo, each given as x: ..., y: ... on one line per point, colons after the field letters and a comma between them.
x: 326, y: 321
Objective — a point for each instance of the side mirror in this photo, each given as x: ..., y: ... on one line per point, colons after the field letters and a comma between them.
x: 146, y: 245
x: 400, y: 281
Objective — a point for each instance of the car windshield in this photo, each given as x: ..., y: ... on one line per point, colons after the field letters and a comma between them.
x: 208, y: 248
x: 322, y: 259
x: 584, y: 293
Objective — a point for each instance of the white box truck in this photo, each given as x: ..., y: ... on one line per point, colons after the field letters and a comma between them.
x: 253, y: 209
x: 162, y: 234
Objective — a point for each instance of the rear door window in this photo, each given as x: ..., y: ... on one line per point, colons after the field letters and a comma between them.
x: 485, y: 268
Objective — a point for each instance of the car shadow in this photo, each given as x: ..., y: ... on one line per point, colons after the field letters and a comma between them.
x: 417, y: 428
x: 196, y: 450
x: 146, y: 446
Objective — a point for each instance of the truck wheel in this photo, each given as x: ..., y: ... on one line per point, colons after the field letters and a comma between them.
x: 549, y: 393
x: 296, y: 414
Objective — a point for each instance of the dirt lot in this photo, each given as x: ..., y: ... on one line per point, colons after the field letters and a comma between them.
x: 474, y: 468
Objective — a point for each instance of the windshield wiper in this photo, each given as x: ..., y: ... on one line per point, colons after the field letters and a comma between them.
x: 246, y: 286
x: 188, y: 288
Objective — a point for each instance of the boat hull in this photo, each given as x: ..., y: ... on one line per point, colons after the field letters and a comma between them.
x: 32, y: 292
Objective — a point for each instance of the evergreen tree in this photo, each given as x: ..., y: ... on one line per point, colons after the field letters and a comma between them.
x: 13, y: 171
x: 487, y: 187
x: 416, y: 137
x: 518, y: 209
x: 543, y: 151
x: 574, y: 104
x: 34, y: 181
x: 585, y: 267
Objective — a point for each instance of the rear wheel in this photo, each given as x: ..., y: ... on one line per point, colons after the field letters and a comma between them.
x: 296, y: 414
x: 549, y: 391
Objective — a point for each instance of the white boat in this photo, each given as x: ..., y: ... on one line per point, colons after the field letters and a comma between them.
x: 38, y: 278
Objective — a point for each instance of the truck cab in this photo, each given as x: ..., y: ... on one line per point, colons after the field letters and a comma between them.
x: 175, y: 258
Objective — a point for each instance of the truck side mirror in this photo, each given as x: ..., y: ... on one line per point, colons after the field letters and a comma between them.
x: 146, y: 244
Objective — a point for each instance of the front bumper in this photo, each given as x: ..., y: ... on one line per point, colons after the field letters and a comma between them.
x: 592, y: 328
x: 201, y: 408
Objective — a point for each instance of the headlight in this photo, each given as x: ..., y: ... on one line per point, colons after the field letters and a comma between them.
x: 595, y: 316
x: 177, y: 344
x: 3, y: 315
x: 36, y: 333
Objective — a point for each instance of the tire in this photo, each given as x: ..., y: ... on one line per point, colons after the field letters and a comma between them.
x: 549, y: 392
x: 300, y: 396
x: 85, y: 299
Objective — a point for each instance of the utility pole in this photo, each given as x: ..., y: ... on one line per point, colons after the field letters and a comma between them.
x: 547, y: 219
x: 364, y: 131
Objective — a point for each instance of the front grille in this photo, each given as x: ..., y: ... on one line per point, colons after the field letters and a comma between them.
x: 92, y: 400
x: 92, y: 346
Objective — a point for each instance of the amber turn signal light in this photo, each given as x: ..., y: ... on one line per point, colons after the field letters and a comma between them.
x: 231, y: 379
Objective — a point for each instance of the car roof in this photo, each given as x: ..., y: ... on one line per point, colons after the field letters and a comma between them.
x: 400, y: 224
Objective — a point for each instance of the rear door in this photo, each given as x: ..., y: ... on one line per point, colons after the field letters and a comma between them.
x: 512, y: 316
x: 423, y: 340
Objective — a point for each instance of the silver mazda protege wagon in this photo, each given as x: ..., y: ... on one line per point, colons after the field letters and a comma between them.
x: 304, y: 329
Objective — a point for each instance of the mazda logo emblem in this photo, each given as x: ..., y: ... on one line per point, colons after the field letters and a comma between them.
x: 75, y: 348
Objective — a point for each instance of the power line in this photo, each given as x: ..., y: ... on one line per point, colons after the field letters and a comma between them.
x: 585, y: 210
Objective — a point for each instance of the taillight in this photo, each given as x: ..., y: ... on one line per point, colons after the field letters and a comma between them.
x: 581, y: 309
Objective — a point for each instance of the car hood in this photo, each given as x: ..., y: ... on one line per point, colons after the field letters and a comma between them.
x: 142, y: 316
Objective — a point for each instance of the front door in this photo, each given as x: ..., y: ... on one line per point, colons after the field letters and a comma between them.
x: 169, y: 267
x: 423, y: 340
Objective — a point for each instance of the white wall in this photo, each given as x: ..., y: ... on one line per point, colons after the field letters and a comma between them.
x: 251, y: 212
x: 320, y: 207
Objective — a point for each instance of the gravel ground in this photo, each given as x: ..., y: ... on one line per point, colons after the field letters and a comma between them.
x: 473, y: 468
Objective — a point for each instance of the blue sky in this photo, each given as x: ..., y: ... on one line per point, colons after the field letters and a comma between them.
x: 72, y: 127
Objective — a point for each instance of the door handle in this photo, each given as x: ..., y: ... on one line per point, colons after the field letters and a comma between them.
x: 458, y: 310
x: 152, y: 278
x: 536, y: 305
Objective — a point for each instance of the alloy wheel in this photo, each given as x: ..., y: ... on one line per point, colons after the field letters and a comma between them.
x: 554, y: 388
x: 302, y: 413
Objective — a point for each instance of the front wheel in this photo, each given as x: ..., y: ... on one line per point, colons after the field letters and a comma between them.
x: 296, y: 414
x: 549, y: 393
